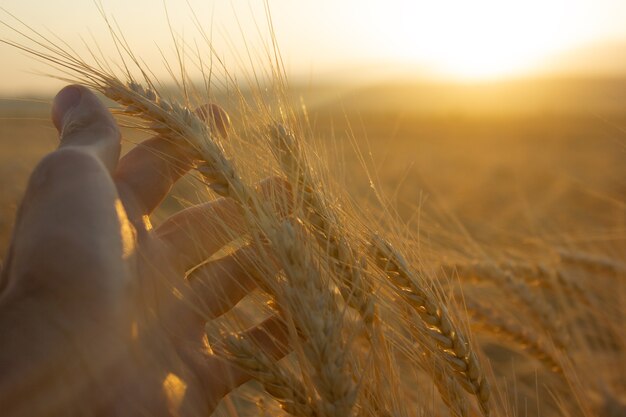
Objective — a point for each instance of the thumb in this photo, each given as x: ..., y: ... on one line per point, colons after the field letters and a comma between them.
x: 84, y: 122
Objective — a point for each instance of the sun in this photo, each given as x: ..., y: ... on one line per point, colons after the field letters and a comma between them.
x: 475, y: 39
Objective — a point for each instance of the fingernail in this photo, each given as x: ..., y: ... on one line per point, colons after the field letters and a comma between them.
x: 66, y: 99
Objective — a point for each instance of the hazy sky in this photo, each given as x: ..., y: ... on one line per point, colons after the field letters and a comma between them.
x: 355, y: 39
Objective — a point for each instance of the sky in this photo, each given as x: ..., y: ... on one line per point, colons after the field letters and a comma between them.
x: 350, y: 40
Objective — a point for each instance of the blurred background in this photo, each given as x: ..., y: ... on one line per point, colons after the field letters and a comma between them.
x: 355, y: 41
x: 507, y: 117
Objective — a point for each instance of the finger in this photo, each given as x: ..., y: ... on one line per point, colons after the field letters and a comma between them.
x: 68, y: 212
x: 198, y: 232
x: 219, y: 285
x: 67, y: 236
x: 271, y: 337
x: 85, y: 124
x: 147, y: 173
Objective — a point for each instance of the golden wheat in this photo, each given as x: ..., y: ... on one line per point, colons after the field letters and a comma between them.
x: 408, y: 324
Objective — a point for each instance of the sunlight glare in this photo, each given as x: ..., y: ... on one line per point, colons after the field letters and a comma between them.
x: 479, y: 39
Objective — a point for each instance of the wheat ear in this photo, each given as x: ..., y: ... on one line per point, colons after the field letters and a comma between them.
x: 555, y: 279
x: 449, y: 391
x: 344, y: 258
x: 592, y: 263
x: 277, y: 381
x: 542, y: 313
x: 319, y: 325
x: 490, y: 321
x: 434, y: 315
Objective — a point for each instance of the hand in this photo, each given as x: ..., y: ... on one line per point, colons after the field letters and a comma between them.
x: 95, y: 313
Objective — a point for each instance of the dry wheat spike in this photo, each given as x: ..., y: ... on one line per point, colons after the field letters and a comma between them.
x: 345, y: 259
x: 453, y: 346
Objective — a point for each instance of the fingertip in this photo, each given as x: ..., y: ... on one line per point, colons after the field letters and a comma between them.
x: 66, y: 99
x: 84, y: 121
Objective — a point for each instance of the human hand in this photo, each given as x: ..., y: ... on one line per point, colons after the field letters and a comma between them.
x: 95, y: 311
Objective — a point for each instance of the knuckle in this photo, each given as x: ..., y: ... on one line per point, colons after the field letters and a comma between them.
x: 94, y: 127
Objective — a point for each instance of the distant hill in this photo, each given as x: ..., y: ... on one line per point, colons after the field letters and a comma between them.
x: 26, y: 106
x: 529, y: 96
x: 600, y: 96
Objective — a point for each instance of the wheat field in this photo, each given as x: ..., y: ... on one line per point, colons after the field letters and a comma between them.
x: 433, y: 262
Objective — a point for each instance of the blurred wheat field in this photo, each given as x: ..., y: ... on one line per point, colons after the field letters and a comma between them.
x: 556, y: 175
x: 559, y: 175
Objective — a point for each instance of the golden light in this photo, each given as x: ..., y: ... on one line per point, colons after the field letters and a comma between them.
x: 478, y: 39
x: 348, y: 39
x: 174, y: 389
